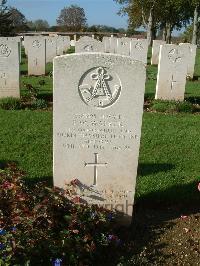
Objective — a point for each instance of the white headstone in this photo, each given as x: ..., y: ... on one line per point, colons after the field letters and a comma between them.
x: 51, y: 46
x: 106, y: 44
x: 172, y: 71
x: 123, y: 46
x: 36, y: 46
x: 113, y: 45
x: 96, y: 136
x: 88, y: 44
x: 190, y: 51
x: 156, y: 51
x: 139, y: 50
x: 9, y: 68
x: 72, y: 43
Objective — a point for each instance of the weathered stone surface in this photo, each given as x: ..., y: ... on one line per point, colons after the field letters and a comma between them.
x: 88, y: 44
x: 36, y: 47
x: 156, y: 51
x: 51, y: 48
x: 106, y: 44
x: 190, y: 51
x: 9, y: 68
x: 63, y: 44
x: 139, y: 50
x: 123, y: 46
x: 98, y: 106
x: 113, y: 45
x: 172, y: 71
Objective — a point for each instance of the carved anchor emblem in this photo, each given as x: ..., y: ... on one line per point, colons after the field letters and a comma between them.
x: 5, y: 51
x: 100, y: 95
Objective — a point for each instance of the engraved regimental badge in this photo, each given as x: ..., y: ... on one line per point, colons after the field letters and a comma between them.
x: 5, y: 51
x: 98, y: 88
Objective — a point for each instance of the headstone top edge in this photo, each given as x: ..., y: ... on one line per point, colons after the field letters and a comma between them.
x: 57, y: 58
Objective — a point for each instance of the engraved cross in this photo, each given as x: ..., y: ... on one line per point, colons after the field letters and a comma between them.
x: 96, y: 164
x: 173, y: 82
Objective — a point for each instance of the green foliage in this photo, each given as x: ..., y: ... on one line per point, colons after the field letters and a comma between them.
x: 39, y: 225
x: 172, y: 106
x: 72, y: 18
x: 10, y: 103
x: 39, y: 104
x: 71, y: 50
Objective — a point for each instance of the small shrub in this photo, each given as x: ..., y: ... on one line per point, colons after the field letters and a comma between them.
x: 31, y: 92
x: 10, y: 103
x: 39, y: 104
x: 164, y: 106
x: 185, y: 107
x: 40, y: 225
x: 41, y: 82
x: 71, y: 50
x: 172, y: 106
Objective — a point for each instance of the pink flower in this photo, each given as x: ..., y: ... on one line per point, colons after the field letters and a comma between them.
x: 198, y: 186
x: 184, y: 217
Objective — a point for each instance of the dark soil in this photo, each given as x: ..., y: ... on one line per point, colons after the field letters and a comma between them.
x: 169, y: 236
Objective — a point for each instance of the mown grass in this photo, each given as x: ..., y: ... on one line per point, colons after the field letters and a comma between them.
x: 169, y: 155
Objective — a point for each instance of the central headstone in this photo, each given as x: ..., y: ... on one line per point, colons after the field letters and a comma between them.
x: 98, y: 107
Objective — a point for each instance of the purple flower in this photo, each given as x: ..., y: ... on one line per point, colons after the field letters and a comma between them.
x: 2, y: 232
x: 57, y: 262
x: 14, y: 229
x: 110, y: 237
x: 110, y: 216
x: 1, y: 246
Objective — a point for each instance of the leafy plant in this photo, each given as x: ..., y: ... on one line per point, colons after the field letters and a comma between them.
x: 31, y: 91
x: 40, y: 225
x: 10, y: 103
x: 172, y: 106
x: 39, y: 104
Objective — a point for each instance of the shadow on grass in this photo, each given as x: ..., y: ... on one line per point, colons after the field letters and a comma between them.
x: 151, y: 168
x: 193, y: 100
x: 45, y: 96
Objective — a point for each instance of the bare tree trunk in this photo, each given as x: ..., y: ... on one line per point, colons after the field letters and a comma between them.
x: 164, y: 34
x: 150, y: 29
x: 195, y: 27
x: 168, y: 33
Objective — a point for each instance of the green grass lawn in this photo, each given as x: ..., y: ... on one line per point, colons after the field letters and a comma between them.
x: 169, y: 165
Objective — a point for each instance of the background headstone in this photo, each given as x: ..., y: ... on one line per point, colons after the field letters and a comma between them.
x: 96, y: 136
x: 9, y: 68
x: 106, y: 44
x: 139, y: 50
x: 51, y: 46
x: 156, y: 51
x: 123, y: 46
x: 113, y: 45
x: 190, y: 51
x: 87, y: 44
x: 36, y: 55
x: 172, y: 71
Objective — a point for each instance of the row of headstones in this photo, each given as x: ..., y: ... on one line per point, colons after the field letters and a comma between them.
x: 41, y: 50
x: 135, y: 48
x: 175, y: 62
